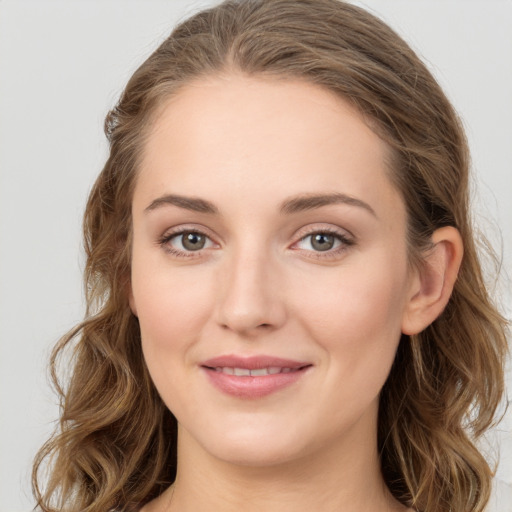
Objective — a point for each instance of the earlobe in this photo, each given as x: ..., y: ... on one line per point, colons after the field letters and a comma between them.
x: 434, y: 281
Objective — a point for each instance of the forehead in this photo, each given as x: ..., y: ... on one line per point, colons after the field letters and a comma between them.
x: 236, y: 134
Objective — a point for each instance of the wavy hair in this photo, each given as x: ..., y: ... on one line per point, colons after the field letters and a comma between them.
x: 115, y: 445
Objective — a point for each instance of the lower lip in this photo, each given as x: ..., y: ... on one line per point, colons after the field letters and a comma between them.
x: 253, y: 387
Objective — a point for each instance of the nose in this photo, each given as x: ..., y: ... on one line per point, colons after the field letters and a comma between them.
x: 251, y: 300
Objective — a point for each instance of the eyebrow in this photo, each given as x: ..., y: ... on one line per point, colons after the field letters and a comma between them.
x: 188, y: 203
x: 301, y: 203
x: 312, y: 201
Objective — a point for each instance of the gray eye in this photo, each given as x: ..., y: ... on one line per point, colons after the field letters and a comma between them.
x: 193, y: 241
x: 322, y: 241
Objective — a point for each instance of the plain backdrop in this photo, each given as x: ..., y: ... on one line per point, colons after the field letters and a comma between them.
x: 63, y: 64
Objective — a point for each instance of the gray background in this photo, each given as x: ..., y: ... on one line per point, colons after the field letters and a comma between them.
x: 62, y: 66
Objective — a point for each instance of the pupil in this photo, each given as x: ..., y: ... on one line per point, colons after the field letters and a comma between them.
x: 322, y: 242
x: 193, y: 241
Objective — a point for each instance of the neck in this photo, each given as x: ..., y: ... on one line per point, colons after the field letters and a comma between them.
x: 344, y: 477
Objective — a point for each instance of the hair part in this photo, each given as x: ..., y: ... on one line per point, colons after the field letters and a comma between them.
x: 116, y: 443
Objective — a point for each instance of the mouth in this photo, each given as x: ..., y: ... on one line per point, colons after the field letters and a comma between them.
x: 253, y: 377
x: 259, y: 372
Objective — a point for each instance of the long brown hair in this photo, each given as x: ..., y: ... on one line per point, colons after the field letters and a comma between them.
x: 116, y: 442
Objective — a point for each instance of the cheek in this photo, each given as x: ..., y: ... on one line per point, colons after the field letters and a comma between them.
x: 172, y: 312
x: 356, y: 313
x: 171, y: 309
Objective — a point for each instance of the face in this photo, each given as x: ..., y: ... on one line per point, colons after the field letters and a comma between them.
x: 269, y: 270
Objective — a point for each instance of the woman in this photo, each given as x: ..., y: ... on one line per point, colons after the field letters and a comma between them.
x: 286, y: 308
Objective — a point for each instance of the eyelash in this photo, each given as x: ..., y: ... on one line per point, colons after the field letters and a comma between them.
x: 345, y: 243
x: 167, y: 237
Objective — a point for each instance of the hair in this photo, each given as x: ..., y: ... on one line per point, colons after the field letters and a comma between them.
x: 115, y: 445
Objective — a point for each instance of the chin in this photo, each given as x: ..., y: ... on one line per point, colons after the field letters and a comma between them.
x: 256, y: 453
x: 250, y: 444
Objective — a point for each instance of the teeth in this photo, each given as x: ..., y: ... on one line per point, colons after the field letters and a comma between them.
x: 245, y: 372
x: 242, y: 372
x: 260, y: 371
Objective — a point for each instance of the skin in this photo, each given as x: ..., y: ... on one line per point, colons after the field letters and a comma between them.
x: 259, y: 286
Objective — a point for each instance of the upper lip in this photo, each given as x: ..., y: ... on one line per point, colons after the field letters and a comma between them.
x: 253, y: 362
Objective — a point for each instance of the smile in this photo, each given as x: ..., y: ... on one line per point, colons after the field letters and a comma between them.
x: 253, y: 377
x: 245, y: 372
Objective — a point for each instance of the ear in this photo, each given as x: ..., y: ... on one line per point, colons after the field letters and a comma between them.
x: 432, y: 283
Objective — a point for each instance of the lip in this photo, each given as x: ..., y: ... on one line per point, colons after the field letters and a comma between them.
x: 253, y: 386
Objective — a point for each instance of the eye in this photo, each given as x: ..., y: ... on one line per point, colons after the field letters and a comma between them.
x: 324, y: 241
x: 321, y: 241
x: 186, y: 242
x: 189, y: 241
